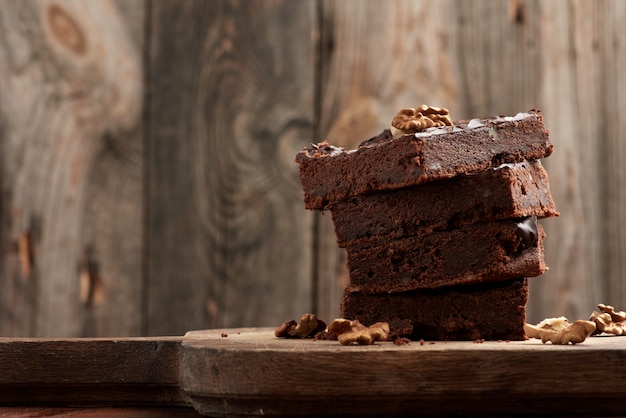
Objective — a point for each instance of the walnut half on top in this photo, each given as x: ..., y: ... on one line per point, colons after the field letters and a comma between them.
x: 410, y: 120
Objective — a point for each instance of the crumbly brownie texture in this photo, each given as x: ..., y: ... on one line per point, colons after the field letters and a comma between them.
x: 329, y: 174
x: 495, y: 311
x: 481, y: 252
x: 508, y: 192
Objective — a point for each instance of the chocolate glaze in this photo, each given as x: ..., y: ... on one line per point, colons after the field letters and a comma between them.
x: 323, y: 148
x: 382, y: 137
x: 527, y: 231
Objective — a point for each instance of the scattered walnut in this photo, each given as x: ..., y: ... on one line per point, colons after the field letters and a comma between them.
x: 285, y: 329
x: 615, y: 316
x: 349, y: 332
x: 309, y: 326
x: 573, y: 333
x: 555, y: 324
x: 609, y: 321
x: 410, y: 120
x: 341, y: 326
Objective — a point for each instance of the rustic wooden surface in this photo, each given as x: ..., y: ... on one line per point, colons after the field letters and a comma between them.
x: 147, y: 183
x: 582, y: 92
x: 231, y: 104
x: 71, y: 139
x: 496, y: 71
x: 249, y: 372
x: 98, y: 412
x: 90, y: 372
x: 303, y: 377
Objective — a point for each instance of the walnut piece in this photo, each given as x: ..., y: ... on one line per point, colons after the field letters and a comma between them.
x: 285, y: 329
x: 349, y: 332
x: 573, y: 333
x: 410, y: 120
x: 309, y: 326
x: 555, y: 324
x: 609, y: 321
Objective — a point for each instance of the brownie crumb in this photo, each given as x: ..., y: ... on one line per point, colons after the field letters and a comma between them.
x: 401, y: 341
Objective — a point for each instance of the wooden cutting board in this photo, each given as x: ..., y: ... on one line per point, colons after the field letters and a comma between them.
x: 250, y: 372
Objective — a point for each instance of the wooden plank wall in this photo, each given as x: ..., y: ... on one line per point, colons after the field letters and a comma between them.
x: 231, y: 102
x: 71, y: 140
x: 147, y: 183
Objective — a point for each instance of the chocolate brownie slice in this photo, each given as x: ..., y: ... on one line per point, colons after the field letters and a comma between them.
x: 480, y: 252
x: 507, y: 192
x: 494, y: 311
x: 329, y: 174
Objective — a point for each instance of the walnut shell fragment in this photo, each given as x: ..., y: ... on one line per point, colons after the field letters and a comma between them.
x: 574, y: 333
x: 349, y: 332
x: 410, y: 120
x: 609, y: 321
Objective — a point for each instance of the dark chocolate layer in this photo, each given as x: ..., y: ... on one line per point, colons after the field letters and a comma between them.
x: 476, y: 253
x: 495, y: 311
x: 508, y: 192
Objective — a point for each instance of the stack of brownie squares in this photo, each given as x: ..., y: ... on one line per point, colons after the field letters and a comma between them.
x: 439, y: 222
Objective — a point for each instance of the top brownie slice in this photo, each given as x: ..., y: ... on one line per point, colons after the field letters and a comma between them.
x: 329, y: 174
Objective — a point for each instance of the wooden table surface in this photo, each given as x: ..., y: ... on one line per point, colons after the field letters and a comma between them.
x: 250, y: 372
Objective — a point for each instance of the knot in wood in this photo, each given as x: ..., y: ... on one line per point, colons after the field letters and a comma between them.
x: 66, y: 29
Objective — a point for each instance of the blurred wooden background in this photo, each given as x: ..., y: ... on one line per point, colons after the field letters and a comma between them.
x: 146, y: 147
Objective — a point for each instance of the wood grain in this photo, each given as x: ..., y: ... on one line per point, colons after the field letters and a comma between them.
x: 123, y: 371
x: 574, y: 112
x: 371, y: 68
x: 97, y: 412
x: 301, y: 376
x: 496, y: 56
x: 231, y: 104
x: 609, y: 52
x: 70, y: 111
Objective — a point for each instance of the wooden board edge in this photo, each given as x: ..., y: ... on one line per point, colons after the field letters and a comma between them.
x: 124, y: 371
x: 223, y: 373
